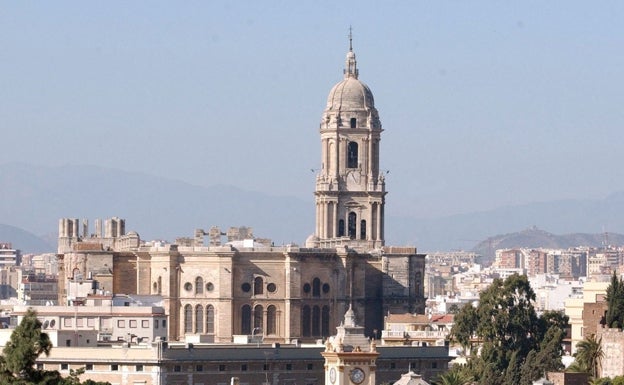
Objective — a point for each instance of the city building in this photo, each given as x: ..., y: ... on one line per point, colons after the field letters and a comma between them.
x: 9, y: 256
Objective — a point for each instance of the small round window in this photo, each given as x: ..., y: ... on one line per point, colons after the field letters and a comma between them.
x: 271, y: 287
x: 307, y: 288
x: 188, y: 286
x: 209, y: 286
x: 326, y: 288
x: 246, y: 287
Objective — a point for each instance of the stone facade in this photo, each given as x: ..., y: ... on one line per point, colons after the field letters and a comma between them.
x: 281, y: 293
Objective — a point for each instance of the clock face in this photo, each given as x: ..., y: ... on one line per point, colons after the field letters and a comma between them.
x: 332, y: 375
x: 357, y: 376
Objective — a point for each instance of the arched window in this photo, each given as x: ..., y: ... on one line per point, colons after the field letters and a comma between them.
x: 159, y: 285
x: 188, y: 319
x: 305, y: 321
x: 353, y: 122
x: 271, y: 320
x: 210, y: 317
x: 199, y: 285
x: 257, y: 321
x: 258, y: 286
x: 246, y: 319
x: 352, y: 155
x: 341, y: 228
x: 199, y: 319
x: 325, y: 321
x: 316, y: 321
x: 316, y: 287
x: 352, y: 219
x: 362, y: 229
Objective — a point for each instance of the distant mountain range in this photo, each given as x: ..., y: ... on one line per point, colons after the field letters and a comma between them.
x: 33, y: 198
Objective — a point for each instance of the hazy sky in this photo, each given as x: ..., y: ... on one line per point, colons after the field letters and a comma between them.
x: 483, y: 104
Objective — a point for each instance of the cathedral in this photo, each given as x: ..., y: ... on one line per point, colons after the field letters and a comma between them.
x: 217, y: 286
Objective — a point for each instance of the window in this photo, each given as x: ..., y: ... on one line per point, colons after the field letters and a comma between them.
x: 199, y: 368
x: 64, y: 366
x: 316, y: 321
x: 91, y: 322
x: 316, y: 287
x: 362, y: 229
x: 210, y: 327
x: 188, y: 286
x: 209, y: 286
x: 246, y: 319
x: 67, y: 322
x: 79, y: 322
x: 199, y: 285
x: 307, y: 288
x: 392, y: 365
x: 325, y: 321
x: 222, y: 368
x: 288, y: 366
x: 199, y: 319
x: 114, y: 368
x: 305, y: 321
x: 145, y: 324
x: 434, y: 365
x: 89, y: 367
x: 177, y: 368
x: 325, y: 288
x: 271, y: 287
x: 164, y: 323
x: 133, y: 323
x: 258, y: 286
x: 258, y: 313
x: 352, y: 155
x: 121, y: 323
x: 265, y: 367
x: 271, y: 320
x: 243, y: 367
x: 138, y: 368
x: 67, y: 342
x: 155, y: 324
x: 188, y: 319
x: 310, y: 366
x: 352, y: 219
x: 246, y: 287
x: 341, y: 228
x: 353, y: 122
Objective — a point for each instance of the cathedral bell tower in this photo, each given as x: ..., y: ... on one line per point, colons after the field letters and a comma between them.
x: 350, y: 188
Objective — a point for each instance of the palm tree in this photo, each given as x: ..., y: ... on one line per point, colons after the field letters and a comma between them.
x: 453, y: 377
x: 589, y: 354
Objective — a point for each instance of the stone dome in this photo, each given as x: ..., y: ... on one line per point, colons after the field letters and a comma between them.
x: 350, y: 94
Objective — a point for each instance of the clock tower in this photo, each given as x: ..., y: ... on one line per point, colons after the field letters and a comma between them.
x: 356, y: 367
x: 350, y: 188
x: 350, y: 359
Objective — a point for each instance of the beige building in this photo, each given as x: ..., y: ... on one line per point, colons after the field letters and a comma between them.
x: 214, y: 291
x: 593, y: 292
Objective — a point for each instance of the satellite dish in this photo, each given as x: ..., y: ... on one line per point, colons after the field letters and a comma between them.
x: 46, y: 324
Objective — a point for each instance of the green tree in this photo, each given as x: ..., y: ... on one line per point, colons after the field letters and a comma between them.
x: 511, y: 334
x: 454, y: 376
x: 26, y: 344
x: 588, y: 356
x: 615, y: 302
